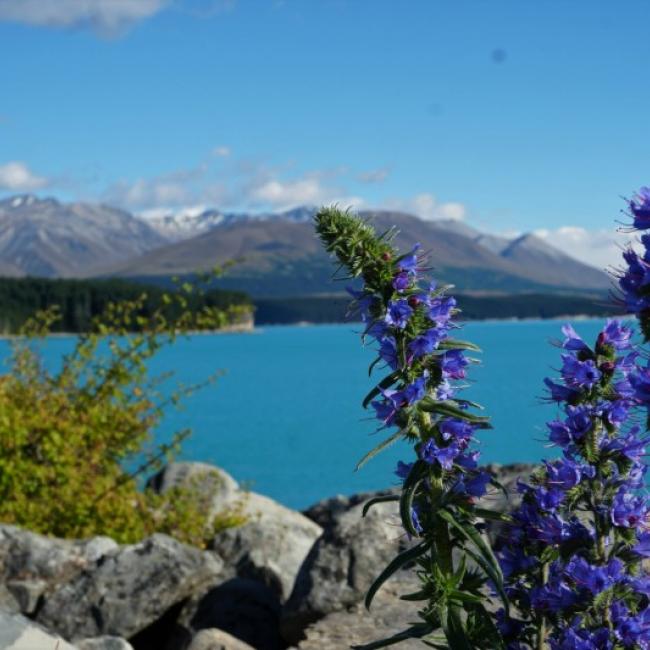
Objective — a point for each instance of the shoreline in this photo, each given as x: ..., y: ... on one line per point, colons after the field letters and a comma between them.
x: 258, y: 328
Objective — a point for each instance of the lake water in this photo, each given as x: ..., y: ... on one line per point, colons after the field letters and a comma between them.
x: 286, y: 418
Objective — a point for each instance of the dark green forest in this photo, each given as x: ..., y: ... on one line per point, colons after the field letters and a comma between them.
x: 80, y: 300
x: 332, y: 309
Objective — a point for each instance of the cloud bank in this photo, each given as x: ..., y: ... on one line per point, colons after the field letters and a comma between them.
x: 104, y: 17
x: 17, y: 177
x: 600, y: 248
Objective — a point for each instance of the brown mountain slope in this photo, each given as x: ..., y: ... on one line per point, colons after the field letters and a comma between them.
x: 281, y: 257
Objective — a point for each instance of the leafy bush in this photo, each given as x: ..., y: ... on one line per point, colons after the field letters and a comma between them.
x: 66, y: 436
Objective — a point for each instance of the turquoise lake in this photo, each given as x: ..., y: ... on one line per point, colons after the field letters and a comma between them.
x: 285, y: 418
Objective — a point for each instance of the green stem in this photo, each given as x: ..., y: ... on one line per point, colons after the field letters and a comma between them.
x: 441, y: 535
x: 541, y: 625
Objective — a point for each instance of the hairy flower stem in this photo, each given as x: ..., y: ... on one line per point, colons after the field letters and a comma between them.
x: 541, y: 625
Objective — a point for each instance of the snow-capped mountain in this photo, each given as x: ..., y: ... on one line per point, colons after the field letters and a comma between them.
x: 45, y: 237
x: 278, y: 252
x: 196, y: 220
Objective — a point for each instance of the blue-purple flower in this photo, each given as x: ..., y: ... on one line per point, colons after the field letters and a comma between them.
x: 398, y: 313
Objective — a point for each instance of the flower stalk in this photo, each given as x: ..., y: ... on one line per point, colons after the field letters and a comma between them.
x: 572, y: 556
x: 411, y: 323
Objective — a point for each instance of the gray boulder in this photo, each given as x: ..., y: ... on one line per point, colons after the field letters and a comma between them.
x: 271, y: 546
x: 327, y: 512
x: 341, y: 566
x: 357, y: 626
x: 129, y: 589
x: 33, y: 565
x: 213, y: 485
x: 19, y: 633
x: 214, y: 639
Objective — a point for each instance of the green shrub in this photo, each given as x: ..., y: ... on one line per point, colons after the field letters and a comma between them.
x: 67, y: 436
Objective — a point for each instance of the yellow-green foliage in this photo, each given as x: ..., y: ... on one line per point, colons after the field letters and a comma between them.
x: 66, y: 436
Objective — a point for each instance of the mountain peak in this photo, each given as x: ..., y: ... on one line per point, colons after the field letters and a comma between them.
x: 25, y: 201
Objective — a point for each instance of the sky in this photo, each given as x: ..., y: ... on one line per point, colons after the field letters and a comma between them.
x: 511, y: 115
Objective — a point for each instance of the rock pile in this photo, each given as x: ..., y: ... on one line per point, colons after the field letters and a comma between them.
x: 283, y: 579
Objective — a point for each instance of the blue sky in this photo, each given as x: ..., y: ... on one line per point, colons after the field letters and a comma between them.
x: 510, y: 114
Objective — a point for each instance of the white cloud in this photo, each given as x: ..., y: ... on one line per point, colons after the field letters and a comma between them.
x: 17, y: 177
x: 426, y: 206
x: 147, y: 193
x: 269, y: 190
x: 288, y: 193
x: 599, y: 248
x: 221, y: 152
x: 105, y: 17
x: 374, y: 175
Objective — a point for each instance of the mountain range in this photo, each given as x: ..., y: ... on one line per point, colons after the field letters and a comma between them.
x: 277, y: 254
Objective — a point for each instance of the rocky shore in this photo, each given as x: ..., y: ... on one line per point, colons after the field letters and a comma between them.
x: 284, y: 579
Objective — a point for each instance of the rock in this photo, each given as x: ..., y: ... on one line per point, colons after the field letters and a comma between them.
x: 271, y: 546
x: 213, y: 484
x: 32, y: 565
x: 129, y: 589
x: 245, y: 609
x: 104, y: 643
x: 27, y: 593
x: 8, y: 602
x: 327, y: 512
x: 214, y: 639
x: 356, y: 625
x: 19, y: 633
x: 342, y: 565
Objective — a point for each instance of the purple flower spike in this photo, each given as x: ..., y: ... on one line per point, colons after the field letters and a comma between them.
x: 599, y: 477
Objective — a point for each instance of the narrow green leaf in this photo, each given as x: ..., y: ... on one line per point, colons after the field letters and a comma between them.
x: 375, y: 500
x: 437, y: 646
x: 380, y: 447
x: 409, y: 555
x: 449, y: 409
x: 474, y: 405
x: 408, y: 494
x: 453, y: 344
x: 489, y: 571
x: 469, y: 532
x: 465, y: 597
x: 455, y: 632
x: 385, y: 383
x: 372, y: 365
x: 415, y: 632
x: 423, y: 594
x: 491, y: 514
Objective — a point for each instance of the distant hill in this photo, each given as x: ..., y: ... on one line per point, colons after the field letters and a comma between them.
x: 47, y: 238
x: 282, y: 257
x: 278, y: 254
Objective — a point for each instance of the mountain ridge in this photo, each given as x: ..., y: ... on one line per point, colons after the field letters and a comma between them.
x: 277, y: 252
